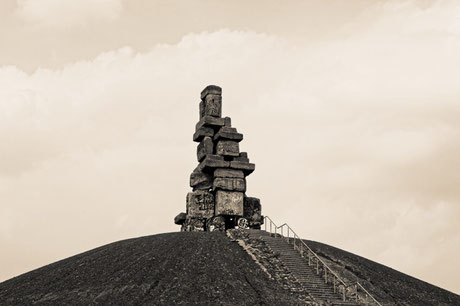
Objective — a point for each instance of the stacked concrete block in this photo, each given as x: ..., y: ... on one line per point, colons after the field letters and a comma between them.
x: 218, y: 200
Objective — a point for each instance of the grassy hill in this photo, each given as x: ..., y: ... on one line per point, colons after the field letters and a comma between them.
x: 193, y: 268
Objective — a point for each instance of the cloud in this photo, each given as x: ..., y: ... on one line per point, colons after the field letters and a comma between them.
x: 354, y: 137
x: 68, y: 13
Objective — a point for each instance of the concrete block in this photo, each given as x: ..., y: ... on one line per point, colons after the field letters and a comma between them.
x: 203, y: 132
x: 193, y: 225
x: 229, y: 203
x: 211, y: 89
x: 251, y: 206
x: 230, y: 184
x: 200, y: 180
x: 200, y: 204
x: 213, y: 161
x: 242, y: 157
x: 180, y: 218
x: 212, y: 106
x: 220, y: 172
x: 228, y: 134
x: 205, y: 148
x: 210, y: 121
x: 247, y: 168
x: 227, y: 148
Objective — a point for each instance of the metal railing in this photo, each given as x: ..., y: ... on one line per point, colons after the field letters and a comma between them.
x: 349, y: 292
x: 366, y: 293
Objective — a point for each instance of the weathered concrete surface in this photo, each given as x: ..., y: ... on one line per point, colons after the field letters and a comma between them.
x: 230, y: 184
x: 200, y: 179
x: 209, y: 121
x: 180, y: 218
x: 242, y: 157
x: 206, y: 147
x: 203, y: 132
x: 227, y: 148
x: 211, y: 105
x: 200, y: 204
x: 247, y: 168
x: 229, y: 134
x: 229, y: 203
x: 211, y: 89
x: 213, y: 161
x: 222, y: 172
x: 252, y: 209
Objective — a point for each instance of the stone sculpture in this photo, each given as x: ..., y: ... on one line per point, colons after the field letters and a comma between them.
x: 218, y: 200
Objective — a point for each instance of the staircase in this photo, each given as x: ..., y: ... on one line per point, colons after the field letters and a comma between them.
x: 311, y: 271
x: 305, y: 274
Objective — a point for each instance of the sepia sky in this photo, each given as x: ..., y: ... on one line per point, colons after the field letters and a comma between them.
x: 349, y: 109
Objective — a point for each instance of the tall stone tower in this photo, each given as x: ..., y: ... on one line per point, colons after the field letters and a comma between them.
x: 218, y: 200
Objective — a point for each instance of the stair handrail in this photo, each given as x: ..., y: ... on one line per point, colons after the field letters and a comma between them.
x: 295, y: 236
x: 368, y: 294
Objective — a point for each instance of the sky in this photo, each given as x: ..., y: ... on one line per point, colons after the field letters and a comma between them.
x: 349, y: 109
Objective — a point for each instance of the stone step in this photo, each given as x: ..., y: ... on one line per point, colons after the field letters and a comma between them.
x: 294, y: 260
x: 318, y: 286
x: 313, y: 280
x: 325, y: 296
x: 320, y: 289
x: 307, y: 273
x: 314, y: 283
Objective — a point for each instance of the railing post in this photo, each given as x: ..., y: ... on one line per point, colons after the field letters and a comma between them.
x: 325, y: 275
x: 317, y: 266
x: 334, y: 284
x: 356, y: 291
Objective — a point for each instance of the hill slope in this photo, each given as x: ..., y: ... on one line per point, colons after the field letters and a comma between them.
x: 195, y: 268
x: 166, y: 269
x: 386, y: 284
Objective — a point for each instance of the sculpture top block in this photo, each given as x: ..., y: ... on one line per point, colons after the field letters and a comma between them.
x: 211, y: 89
x: 211, y: 102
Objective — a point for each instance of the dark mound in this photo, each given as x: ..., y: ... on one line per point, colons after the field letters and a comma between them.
x: 387, y: 285
x: 167, y: 269
x: 196, y: 268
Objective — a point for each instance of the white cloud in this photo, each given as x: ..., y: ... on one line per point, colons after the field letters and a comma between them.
x: 68, y: 13
x: 356, y: 137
